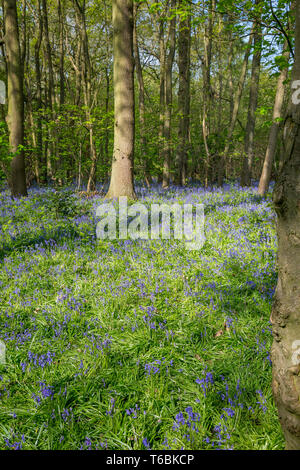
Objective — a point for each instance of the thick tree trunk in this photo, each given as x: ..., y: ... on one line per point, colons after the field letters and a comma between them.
x: 253, y: 98
x: 121, y: 181
x: 15, y: 114
x: 277, y: 114
x: 183, y: 99
x: 285, y: 316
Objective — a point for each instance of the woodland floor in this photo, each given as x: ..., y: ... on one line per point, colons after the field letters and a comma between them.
x: 137, y: 344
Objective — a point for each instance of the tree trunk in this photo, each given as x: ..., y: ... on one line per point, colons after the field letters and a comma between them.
x: 285, y: 316
x: 86, y: 73
x: 183, y: 98
x: 277, y: 114
x: 51, y: 146
x: 121, y: 181
x: 253, y: 98
x: 37, y: 46
x: 162, y: 76
x: 141, y: 88
x: 207, y: 89
x: 15, y: 114
x: 168, y: 99
x: 236, y: 106
x: 61, y: 56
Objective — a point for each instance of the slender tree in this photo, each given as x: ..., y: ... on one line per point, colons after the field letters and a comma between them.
x: 86, y: 74
x: 121, y: 181
x: 277, y: 114
x: 141, y: 88
x: 235, y: 110
x: 42, y: 163
x: 207, y: 88
x: 168, y: 96
x: 15, y: 114
x: 253, y: 99
x: 184, y: 43
x: 285, y: 315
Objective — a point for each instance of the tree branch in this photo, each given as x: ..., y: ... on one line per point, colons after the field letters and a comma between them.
x: 282, y: 29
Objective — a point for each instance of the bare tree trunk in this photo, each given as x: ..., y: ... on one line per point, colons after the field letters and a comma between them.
x: 52, y: 148
x: 42, y: 163
x: 207, y: 89
x: 15, y: 114
x: 285, y: 316
x: 168, y: 99
x: 253, y: 98
x: 48, y: 56
x: 162, y: 101
x: 61, y: 55
x: 86, y: 79
x: 236, y: 106
x: 121, y: 181
x: 107, y: 89
x: 184, y: 42
x: 277, y: 114
x: 141, y: 88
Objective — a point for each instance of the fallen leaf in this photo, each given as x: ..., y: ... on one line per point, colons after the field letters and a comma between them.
x: 219, y: 333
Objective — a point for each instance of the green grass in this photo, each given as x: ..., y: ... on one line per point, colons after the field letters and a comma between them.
x: 180, y: 339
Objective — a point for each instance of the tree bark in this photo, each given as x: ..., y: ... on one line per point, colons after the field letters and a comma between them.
x: 42, y: 163
x: 168, y: 99
x: 236, y: 106
x: 86, y: 72
x: 61, y: 55
x: 121, y: 181
x: 141, y: 88
x: 285, y: 315
x: 207, y: 89
x: 15, y: 114
x: 253, y: 98
x: 277, y: 114
x: 162, y: 101
x: 51, y: 146
x: 184, y: 42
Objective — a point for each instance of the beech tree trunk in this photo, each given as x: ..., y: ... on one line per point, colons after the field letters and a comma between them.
x: 121, y: 181
x: 285, y: 315
x: 15, y: 114
x: 277, y: 114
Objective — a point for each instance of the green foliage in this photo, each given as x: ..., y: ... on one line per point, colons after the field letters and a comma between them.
x: 64, y: 204
x: 112, y: 342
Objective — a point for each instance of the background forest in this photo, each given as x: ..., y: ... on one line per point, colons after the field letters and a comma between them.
x: 207, y: 73
x: 129, y: 344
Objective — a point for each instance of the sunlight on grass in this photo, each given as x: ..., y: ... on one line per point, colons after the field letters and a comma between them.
x: 137, y: 344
